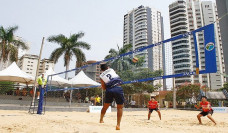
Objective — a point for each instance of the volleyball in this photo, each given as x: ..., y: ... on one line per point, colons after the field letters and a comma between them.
x: 135, y: 59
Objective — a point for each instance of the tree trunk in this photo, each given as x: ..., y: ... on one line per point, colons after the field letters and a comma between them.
x: 67, y: 68
x: 3, y: 65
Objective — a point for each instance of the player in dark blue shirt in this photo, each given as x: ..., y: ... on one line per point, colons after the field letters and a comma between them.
x: 111, y: 82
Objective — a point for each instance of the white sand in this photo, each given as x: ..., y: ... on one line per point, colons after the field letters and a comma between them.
x: 132, y: 122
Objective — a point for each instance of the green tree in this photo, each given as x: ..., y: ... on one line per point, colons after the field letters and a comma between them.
x: 69, y: 47
x: 9, y: 45
x: 225, y: 86
x: 188, y: 91
x: 6, y: 86
x: 169, y: 96
x: 123, y: 63
x: 141, y: 87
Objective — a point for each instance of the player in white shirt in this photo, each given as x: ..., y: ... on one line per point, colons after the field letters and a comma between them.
x: 111, y: 82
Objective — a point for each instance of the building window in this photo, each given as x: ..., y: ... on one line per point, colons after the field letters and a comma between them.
x: 206, y: 6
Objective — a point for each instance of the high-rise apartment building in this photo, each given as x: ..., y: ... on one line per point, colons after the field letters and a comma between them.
x: 28, y: 63
x: 187, y: 16
x: 144, y: 26
x: 223, y: 23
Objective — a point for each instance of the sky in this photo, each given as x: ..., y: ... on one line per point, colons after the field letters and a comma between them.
x: 100, y: 20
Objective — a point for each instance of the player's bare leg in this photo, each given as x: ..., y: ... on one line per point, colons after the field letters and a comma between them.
x: 119, y: 115
x: 149, y: 115
x: 198, y: 116
x: 103, y: 111
x: 210, y: 117
x: 159, y: 114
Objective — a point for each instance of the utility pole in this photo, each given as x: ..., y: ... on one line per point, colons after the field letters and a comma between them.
x: 159, y: 52
x: 37, y: 70
x: 174, y: 94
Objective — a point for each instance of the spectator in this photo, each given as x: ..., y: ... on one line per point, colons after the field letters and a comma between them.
x: 97, y: 100
x: 42, y: 81
x: 78, y: 97
x: 67, y: 96
x: 133, y: 104
x: 86, y: 99
x: 92, y: 99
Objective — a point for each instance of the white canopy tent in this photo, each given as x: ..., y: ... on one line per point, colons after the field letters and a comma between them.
x: 81, y: 80
x: 15, y: 74
x: 56, y: 79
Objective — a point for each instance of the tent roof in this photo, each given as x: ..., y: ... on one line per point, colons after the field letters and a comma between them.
x: 81, y: 80
x: 215, y: 95
x: 15, y: 74
x: 56, y: 79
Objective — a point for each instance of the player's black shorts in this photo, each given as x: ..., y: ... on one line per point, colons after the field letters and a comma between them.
x: 151, y: 110
x: 206, y: 113
x: 114, y: 93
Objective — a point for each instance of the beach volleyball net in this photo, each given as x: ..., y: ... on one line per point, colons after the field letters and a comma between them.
x: 143, y: 68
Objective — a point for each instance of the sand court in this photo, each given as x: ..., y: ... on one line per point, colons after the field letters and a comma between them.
x: 12, y: 121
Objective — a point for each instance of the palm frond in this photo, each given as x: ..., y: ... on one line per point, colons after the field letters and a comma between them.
x: 125, y: 48
x: 14, y: 54
x: 59, y: 39
x: 20, y: 43
x: 112, y: 53
x: 74, y: 38
x: 80, y: 56
x: 56, y: 54
x: 81, y: 44
x: 10, y: 33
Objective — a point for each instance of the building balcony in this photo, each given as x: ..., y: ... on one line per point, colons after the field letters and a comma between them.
x: 180, y: 10
x: 142, y: 21
x: 140, y: 45
x: 140, y: 28
x: 179, y: 7
x: 181, y: 58
x: 178, y: 15
x: 140, y: 18
x: 140, y: 38
x: 140, y: 12
x: 177, y: 19
x: 179, y: 24
x: 177, y: 32
x: 181, y: 61
x: 140, y: 25
x: 141, y: 31
x: 140, y: 34
x: 141, y: 41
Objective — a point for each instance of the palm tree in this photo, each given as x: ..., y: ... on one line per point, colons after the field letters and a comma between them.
x: 69, y: 47
x: 9, y: 45
x: 123, y: 63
